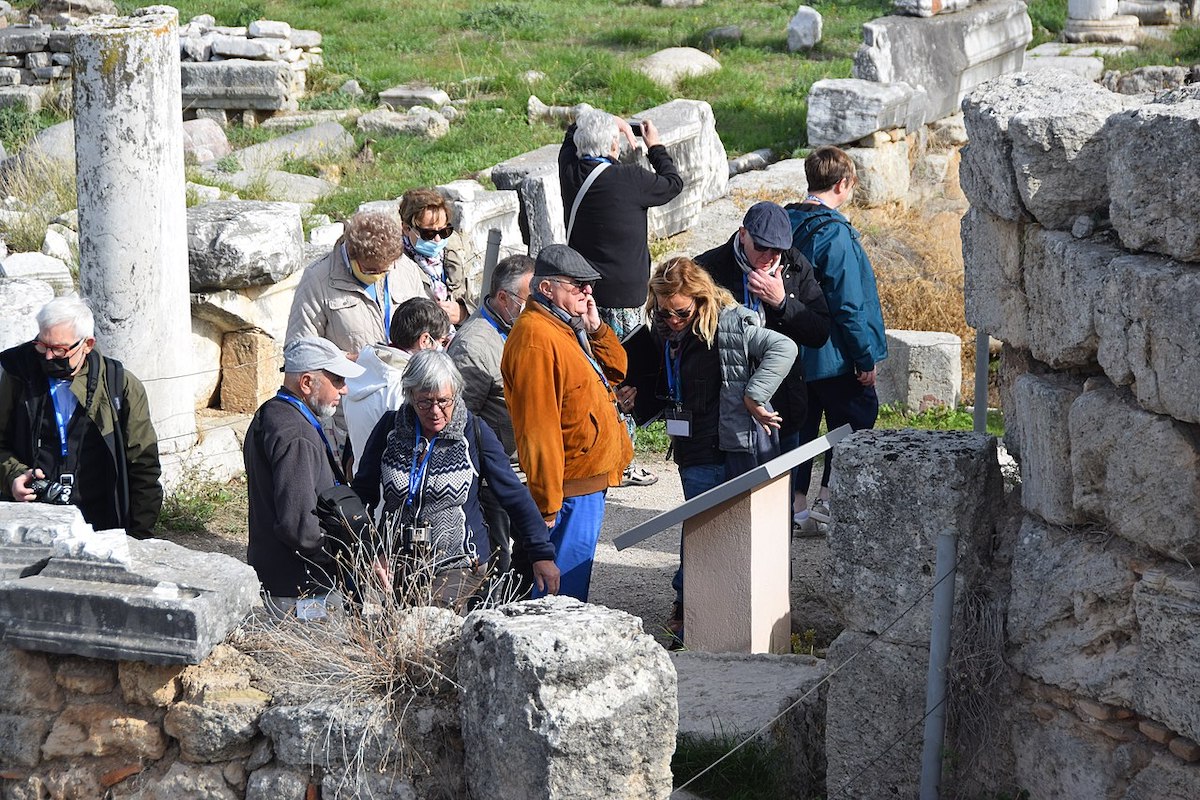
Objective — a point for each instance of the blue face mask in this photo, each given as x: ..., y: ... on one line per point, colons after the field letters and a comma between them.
x: 429, y: 249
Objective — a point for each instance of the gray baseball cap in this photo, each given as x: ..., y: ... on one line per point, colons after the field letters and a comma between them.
x: 312, y: 354
x: 558, y: 259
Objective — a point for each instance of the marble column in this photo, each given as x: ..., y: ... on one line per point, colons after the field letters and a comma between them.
x: 132, y: 213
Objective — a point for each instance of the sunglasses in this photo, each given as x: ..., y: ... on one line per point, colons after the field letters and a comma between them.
x: 579, y: 285
x: 429, y: 233
x: 677, y: 313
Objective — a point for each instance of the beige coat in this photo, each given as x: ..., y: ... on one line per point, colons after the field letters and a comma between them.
x: 330, y: 302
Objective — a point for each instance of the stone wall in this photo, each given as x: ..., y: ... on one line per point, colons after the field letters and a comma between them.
x: 1096, y: 294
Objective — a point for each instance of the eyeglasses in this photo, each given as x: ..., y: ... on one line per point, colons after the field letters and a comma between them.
x: 443, y: 403
x: 56, y: 350
x: 429, y: 233
x: 678, y: 313
x: 574, y: 284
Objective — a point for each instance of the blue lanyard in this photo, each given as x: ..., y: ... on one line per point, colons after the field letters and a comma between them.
x: 674, y: 373
x: 61, y: 419
x: 387, y: 308
x: 312, y: 420
x: 416, y: 475
x: 597, y: 159
x: 483, y: 309
x: 749, y: 300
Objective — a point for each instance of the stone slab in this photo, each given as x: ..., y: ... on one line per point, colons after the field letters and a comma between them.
x: 1167, y: 604
x: 281, y: 186
x: 993, y: 278
x: 328, y: 141
x: 28, y: 534
x: 1089, y: 68
x: 923, y: 370
x: 40, y: 267
x: 24, y: 38
x: 542, y: 211
x: 21, y: 299
x: 238, y: 244
x: 507, y: 175
x: 238, y: 83
x: 844, y: 110
x: 929, y: 8
x: 884, y: 173
x: 957, y: 51
x: 1042, y: 404
x: 262, y: 307
x: 304, y: 119
x: 474, y: 212
x: 687, y: 128
x: 405, y: 96
x: 674, y: 64
x: 250, y: 365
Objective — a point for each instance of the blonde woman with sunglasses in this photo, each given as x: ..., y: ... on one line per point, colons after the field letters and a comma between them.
x: 718, y: 370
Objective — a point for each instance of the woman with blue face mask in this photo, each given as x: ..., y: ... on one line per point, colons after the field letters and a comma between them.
x: 430, y: 244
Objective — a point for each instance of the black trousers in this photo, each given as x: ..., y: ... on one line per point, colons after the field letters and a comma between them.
x: 841, y: 399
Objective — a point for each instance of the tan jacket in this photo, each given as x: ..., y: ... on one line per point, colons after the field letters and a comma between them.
x: 330, y: 302
x: 569, y: 439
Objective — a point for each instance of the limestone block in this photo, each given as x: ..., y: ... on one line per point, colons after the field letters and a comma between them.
x: 61, y: 243
x: 1070, y: 616
x: 353, y: 784
x: 804, y: 29
x: 328, y: 141
x: 784, y: 177
x: 221, y: 728
x: 50, y: 73
x: 861, y: 721
x: 238, y: 83
x: 185, y: 781
x: 206, y: 361
x: 474, y: 212
x: 303, y: 119
x: 10, y: 76
x: 993, y: 280
x: 843, y: 110
x: 1121, y: 29
x: 29, y: 685
x: 1167, y: 604
x: 26, y: 98
x: 103, y: 730
x: 269, y: 29
x: 39, y: 267
x: 419, y: 121
x: 204, y: 140
x: 1144, y: 322
x: 86, y: 675
x: 986, y: 171
x: 148, y: 684
x: 893, y: 493
x: 884, y: 173
x: 670, y: 66
x: 542, y: 208
x: 250, y: 363
x: 30, y: 535
x: 332, y: 733
x: 923, y: 370
x: 262, y: 307
x: 236, y: 244
x: 1146, y: 80
x: 1090, y: 68
x: 305, y: 39
x: 1150, y: 12
x: 509, y: 174
x: 24, y: 38
x: 405, y: 96
x: 723, y: 695
x: 21, y: 739
x: 1137, y: 471
x: 196, y: 48
x: 962, y: 50
x: 21, y: 299
x: 1042, y: 404
x: 199, y: 193
x: 35, y: 60
x: 569, y: 700
x: 281, y: 186
x: 688, y: 129
x: 1165, y: 778
x: 235, y: 47
x: 273, y: 783
x: 1065, y: 280
x: 928, y: 8
x: 1162, y: 222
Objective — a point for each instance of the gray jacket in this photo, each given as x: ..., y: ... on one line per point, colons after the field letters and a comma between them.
x: 476, y: 350
x: 754, y: 362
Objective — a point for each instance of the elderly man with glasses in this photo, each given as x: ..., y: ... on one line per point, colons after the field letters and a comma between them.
x: 75, y: 426
x: 559, y: 366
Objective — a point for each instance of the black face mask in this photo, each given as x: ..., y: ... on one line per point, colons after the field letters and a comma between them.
x: 57, y: 368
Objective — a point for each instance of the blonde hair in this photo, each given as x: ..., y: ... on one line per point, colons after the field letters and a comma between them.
x: 683, y: 276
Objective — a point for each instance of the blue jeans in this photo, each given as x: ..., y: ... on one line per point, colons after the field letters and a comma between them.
x: 574, y: 535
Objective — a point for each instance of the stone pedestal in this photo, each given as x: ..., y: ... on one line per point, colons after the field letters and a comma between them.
x: 1091, y: 9
x: 736, y: 563
x: 132, y: 215
x: 1114, y: 30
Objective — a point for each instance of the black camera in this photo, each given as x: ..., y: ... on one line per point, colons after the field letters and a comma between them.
x: 54, y: 492
x: 636, y: 127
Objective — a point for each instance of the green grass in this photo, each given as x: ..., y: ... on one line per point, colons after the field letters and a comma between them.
x: 652, y: 438
x: 752, y: 773
x: 194, y: 505
x: 937, y: 419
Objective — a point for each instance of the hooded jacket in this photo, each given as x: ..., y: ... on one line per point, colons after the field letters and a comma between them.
x: 375, y: 391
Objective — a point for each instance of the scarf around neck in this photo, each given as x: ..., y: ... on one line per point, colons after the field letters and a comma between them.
x: 576, y: 324
x: 434, y: 268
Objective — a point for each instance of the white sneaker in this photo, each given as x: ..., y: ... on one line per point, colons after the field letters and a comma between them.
x: 820, y: 511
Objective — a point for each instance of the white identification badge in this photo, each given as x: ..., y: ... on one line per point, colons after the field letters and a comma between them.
x: 310, y: 608
x: 679, y: 423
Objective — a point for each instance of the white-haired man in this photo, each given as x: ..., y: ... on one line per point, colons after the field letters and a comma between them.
x: 80, y: 421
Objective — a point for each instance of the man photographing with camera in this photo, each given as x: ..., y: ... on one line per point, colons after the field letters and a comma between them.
x: 75, y: 426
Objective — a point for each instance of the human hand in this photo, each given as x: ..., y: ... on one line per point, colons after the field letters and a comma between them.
x: 764, y: 416
x: 650, y: 133
x: 767, y: 284
x: 591, y: 317
x: 626, y: 396
x: 20, y: 485
x: 453, y: 309
x: 383, y: 572
x: 546, y: 576
x: 624, y: 129
x: 866, y: 378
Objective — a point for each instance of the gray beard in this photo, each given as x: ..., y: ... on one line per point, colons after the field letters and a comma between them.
x: 321, y: 410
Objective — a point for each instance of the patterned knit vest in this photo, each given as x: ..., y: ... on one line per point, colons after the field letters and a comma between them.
x: 441, y: 493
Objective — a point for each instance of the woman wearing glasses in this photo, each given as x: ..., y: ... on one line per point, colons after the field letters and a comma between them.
x: 427, y: 460
x: 720, y: 368
x: 432, y: 248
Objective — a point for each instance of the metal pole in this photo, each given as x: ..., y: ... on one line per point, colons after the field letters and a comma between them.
x: 939, y: 658
x: 982, y: 341
x: 490, y: 259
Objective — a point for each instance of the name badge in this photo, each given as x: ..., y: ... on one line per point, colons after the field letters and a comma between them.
x: 311, y: 608
x: 679, y: 423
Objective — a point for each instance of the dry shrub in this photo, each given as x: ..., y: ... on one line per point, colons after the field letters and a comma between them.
x: 43, y: 188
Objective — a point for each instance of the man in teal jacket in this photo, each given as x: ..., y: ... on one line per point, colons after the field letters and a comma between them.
x: 841, y: 373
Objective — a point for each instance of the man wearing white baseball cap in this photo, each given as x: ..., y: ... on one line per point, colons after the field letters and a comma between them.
x: 289, y: 462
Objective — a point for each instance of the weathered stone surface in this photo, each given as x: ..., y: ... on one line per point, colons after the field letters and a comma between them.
x: 61, y: 243
x: 304, y: 119
x: 804, y: 29
x: 1167, y: 604
x: 993, y: 281
x: 204, y: 140
x: 331, y: 733
x: 1042, y: 404
x: 960, y: 51
x: 1165, y: 778
x: 102, y: 730
x: 1161, y: 222
x: 237, y: 244
x: 24, y: 38
x: 21, y: 739
x: 670, y: 66
x: 86, y: 675
x: 206, y: 362
x: 723, y: 695
x: 21, y: 299
x: 1119, y: 29
x: 148, y: 684
x: 1144, y: 80
x: 328, y: 141
x: 1150, y: 307
x: 419, y: 121
x: 1070, y: 616
x: 237, y: 47
x: 476, y: 211
x: 353, y: 784
x: 1139, y: 472
x: 860, y: 723
x: 269, y: 28
x: 262, y: 307
x: 189, y: 782
x: 688, y: 130
x: 274, y: 783
x: 281, y: 186
x: 507, y: 175
x: 884, y: 173
x: 238, y: 83
x: 305, y: 38
x: 1089, y: 68
x: 404, y: 97
x: 843, y: 110
x: 893, y: 493
x: 1065, y: 281
x: 928, y: 8
x: 220, y: 728
x: 571, y: 699
x: 39, y: 267
x: 25, y: 98
x: 1150, y: 12
x: 250, y: 363
x: 786, y: 177
x: 542, y: 207
x: 923, y: 370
